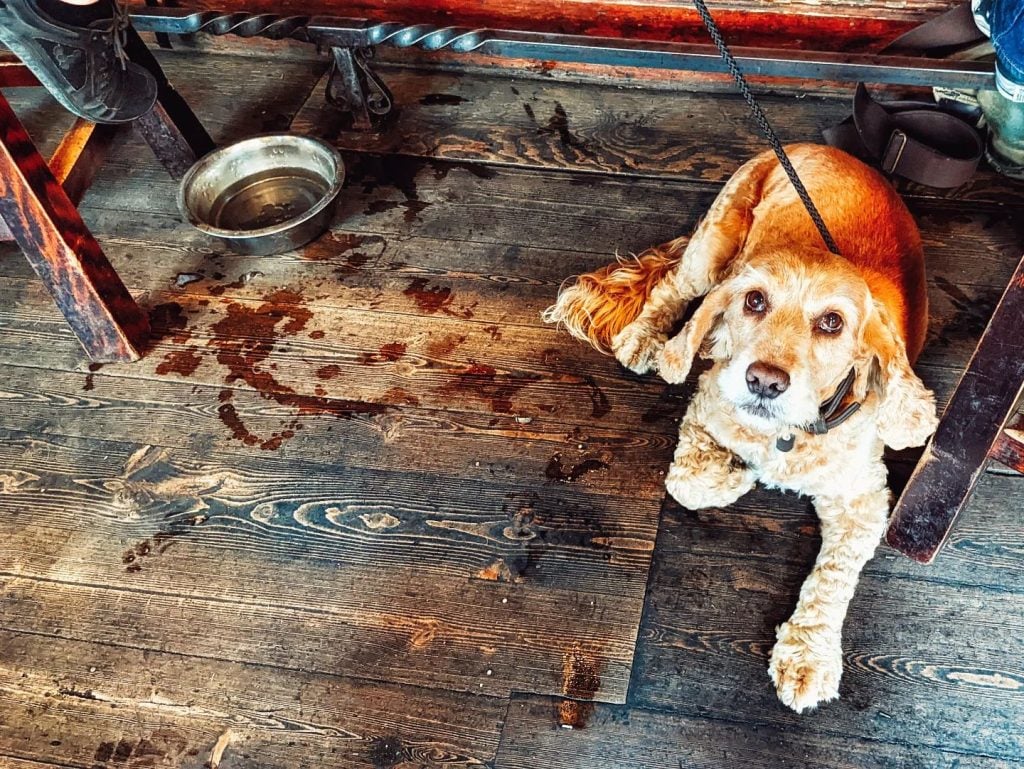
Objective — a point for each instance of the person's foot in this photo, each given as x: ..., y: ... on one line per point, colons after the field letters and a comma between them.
x: 77, y: 53
x: 1003, y: 21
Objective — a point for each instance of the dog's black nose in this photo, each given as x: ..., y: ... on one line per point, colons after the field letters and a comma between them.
x: 766, y: 380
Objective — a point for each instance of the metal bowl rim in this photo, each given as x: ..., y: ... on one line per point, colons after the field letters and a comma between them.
x: 289, y: 224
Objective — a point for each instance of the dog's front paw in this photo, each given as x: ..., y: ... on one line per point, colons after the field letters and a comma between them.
x: 707, y: 479
x: 674, y: 362
x: 637, y: 348
x: 806, y: 665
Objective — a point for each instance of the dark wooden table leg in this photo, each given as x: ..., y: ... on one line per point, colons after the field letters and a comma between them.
x: 62, y: 251
x: 172, y: 129
x: 968, y: 433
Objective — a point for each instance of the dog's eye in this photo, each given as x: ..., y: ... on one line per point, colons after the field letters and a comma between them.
x: 830, y: 323
x: 755, y: 302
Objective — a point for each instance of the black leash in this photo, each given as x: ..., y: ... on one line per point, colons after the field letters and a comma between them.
x: 764, y: 125
x: 827, y: 416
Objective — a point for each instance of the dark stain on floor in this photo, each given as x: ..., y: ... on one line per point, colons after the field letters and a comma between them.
x: 168, y: 321
x: 240, y: 282
x: 134, y: 556
x: 329, y: 371
x: 399, y: 395
x: 581, y: 680
x: 400, y: 172
x: 598, y: 400
x: 433, y: 299
x: 446, y: 99
x: 971, y: 317
x: 413, y: 208
x: 485, y: 383
x: 386, y: 752
x: 163, y: 747
x: 353, y: 263
x: 243, y: 339
x: 388, y: 353
x: 182, y: 362
x: 558, y: 124
x: 556, y: 471
x: 89, y: 378
x: 445, y: 346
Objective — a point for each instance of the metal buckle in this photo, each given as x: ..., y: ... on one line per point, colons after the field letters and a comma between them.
x: 891, y: 167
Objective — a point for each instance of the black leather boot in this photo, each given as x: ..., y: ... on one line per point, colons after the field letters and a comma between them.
x: 84, y: 67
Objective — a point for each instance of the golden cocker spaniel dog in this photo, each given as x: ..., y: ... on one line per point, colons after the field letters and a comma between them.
x: 810, y: 371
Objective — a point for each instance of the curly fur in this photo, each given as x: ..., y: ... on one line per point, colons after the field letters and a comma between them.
x: 758, y: 239
x: 596, y: 306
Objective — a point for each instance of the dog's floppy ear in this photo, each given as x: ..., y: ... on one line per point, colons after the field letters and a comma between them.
x: 703, y: 335
x: 906, y: 408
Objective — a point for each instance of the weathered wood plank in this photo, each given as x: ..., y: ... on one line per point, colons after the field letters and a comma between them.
x: 397, y: 627
x: 444, y: 366
x: 10, y: 762
x: 923, y: 656
x: 465, y: 446
x: 548, y: 124
x: 424, y: 581
x: 624, y: 738
x: 404, y: 200
x: 71, y: 703
x: 368, y: 255
x: 558, y: 535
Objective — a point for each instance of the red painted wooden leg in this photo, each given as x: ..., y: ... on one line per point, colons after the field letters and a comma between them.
x: 14, y: 74
x: 62, y: 251
x: 968, y: 433
x: 81, y: 153
x: 1009, y: 447
x: 76, y: 160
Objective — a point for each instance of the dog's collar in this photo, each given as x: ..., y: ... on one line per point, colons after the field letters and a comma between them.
x: 827, y: 416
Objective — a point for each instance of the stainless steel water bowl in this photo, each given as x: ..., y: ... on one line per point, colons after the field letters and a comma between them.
x: 264, y: 195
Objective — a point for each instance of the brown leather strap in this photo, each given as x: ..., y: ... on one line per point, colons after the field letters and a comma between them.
x: 912, y: 139
x: 916, y: 139
x: 955, y: 27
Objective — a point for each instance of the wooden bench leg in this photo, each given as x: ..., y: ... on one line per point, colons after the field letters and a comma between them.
x: 172, y: 130
x: 62, y: 251
x: 1009, y: 447
x: 968, y: 434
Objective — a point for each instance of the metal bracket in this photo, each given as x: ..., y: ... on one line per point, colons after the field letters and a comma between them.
x: 355, y: 89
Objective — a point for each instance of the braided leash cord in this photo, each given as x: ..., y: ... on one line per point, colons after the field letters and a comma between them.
x: 764, y: 125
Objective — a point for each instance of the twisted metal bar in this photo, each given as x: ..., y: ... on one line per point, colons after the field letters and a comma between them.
x: 427, y: 37
x: 361, y: 33
x: 269, y: 25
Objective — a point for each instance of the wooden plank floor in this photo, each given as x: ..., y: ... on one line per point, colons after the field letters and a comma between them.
x: 359, y: 507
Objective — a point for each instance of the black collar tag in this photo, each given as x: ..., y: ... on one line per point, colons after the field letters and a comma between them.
x: 827, y: 416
